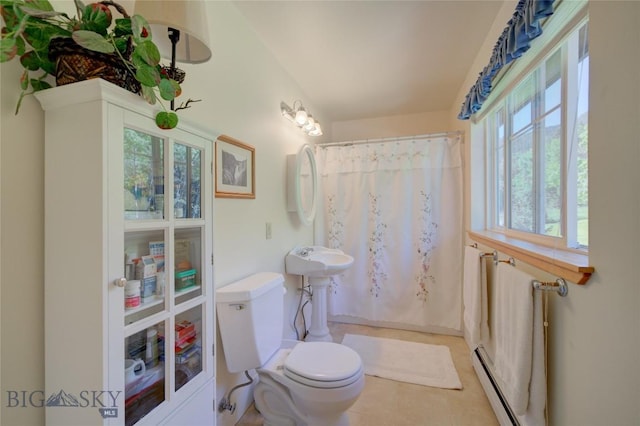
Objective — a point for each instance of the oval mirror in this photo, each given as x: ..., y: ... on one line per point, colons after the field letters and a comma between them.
x: 303, y: 184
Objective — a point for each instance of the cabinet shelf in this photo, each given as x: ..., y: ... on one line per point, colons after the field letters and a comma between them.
x: 143, y: 215
x: 142, y: 225
x: 157, y: 300
x: 188, y: 290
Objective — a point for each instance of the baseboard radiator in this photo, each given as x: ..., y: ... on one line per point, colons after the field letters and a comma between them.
x: 499, y: 403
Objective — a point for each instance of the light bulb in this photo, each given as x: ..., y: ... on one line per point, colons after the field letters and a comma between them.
x: 316, y: 131
x: 301, y: 117
x: 310, y: 125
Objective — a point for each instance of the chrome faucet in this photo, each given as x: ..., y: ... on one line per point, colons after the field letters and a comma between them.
x: 304, y: 252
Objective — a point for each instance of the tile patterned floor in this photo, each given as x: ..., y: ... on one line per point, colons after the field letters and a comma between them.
x: 389, y: 403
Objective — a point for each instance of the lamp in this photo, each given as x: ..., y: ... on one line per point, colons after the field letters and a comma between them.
x: 185, y: 23
x: 301, y: 117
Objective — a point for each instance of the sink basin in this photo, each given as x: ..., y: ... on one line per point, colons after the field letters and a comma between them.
x: 317, y: 261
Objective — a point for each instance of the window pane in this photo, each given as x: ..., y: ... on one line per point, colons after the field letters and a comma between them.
x: 583, y: 35
x: 539, y: 135
x: 553, y: 83
x: 522, y: 99
x: 552, y: 172
x: 579, y: 146
x: 521, y: 187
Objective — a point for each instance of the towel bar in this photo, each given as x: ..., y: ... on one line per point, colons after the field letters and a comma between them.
x: 475, y: 245
x: 559, y: 286
x: 511, y: 260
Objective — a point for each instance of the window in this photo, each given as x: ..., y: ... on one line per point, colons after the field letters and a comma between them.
x: 537, y: 136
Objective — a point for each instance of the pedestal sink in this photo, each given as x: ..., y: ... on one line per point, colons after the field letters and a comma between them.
x: 318, y: 264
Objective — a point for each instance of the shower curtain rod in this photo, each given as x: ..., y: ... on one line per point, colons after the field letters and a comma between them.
x: 397, y: 139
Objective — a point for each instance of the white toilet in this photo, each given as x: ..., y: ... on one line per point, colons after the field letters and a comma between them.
x: 300, y: 383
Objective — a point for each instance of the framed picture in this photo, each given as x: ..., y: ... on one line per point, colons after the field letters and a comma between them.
x: 235, y: 169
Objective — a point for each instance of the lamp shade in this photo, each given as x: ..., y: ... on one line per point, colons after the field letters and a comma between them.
x: 186, y: 16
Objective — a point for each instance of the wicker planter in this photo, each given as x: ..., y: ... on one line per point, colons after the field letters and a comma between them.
x: 75, y: 63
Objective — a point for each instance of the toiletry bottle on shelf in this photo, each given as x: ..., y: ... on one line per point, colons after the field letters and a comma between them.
x: 129, y: 266
x: 160, y: 284
x: 151, y: 355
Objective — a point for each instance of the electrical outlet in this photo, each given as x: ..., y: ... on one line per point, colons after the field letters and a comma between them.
x: 267, y: 230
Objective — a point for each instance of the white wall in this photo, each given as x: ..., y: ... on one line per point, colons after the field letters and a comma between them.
x: 241, y: 88
x: 595, y: 376
x: 21, y: 265
x: 392, y: 126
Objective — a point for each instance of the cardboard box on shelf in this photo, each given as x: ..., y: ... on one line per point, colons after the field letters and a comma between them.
x: 185, y: 279
x: 185, y: 330
x: 156, y: 249
x: 182, y: 252
x: 146, y: 272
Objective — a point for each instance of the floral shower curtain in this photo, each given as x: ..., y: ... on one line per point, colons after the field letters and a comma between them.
x: 396, y: 207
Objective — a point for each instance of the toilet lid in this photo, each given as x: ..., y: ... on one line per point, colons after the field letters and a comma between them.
x: 323, y: 364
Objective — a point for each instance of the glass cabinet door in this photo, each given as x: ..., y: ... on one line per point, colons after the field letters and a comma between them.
x: 165, y: 268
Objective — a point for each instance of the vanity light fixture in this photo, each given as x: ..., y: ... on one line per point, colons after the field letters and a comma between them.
x: 301, y: 117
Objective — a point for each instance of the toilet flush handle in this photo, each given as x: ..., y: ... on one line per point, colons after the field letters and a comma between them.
x: 237, y: 306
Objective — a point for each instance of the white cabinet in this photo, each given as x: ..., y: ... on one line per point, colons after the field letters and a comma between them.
x: 129, y: 295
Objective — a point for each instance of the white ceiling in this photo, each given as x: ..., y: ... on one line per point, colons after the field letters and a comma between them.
x: 366, y: 59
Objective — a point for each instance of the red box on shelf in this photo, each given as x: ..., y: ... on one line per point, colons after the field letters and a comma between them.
x: 185, y: 330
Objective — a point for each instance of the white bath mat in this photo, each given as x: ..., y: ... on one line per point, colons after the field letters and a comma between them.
x: 418, y: 363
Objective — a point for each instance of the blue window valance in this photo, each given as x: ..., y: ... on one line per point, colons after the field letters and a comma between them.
x: 523, y: 27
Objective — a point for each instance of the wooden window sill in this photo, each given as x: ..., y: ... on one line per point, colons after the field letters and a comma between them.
x: 569, y: 265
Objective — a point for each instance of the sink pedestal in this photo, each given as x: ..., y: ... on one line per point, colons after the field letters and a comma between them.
x: 318, y: 264
x: 318, y: 330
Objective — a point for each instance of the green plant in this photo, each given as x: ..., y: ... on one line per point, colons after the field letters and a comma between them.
x: 30, y: 25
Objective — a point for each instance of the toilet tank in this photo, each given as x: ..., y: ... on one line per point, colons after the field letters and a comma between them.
x: 250, y: 319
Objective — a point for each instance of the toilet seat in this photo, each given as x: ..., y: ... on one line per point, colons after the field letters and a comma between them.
x: 323, y: 365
